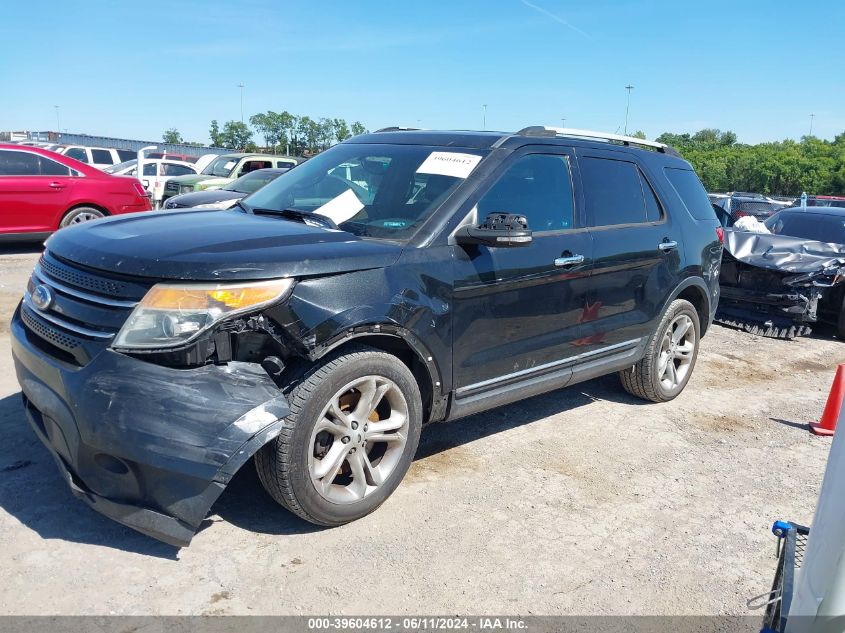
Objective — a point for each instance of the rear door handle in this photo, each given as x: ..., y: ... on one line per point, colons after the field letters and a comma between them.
x: 667, y: 246
x: 57, y: 185
x: 572, y: 260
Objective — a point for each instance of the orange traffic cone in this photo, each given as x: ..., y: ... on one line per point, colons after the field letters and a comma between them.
x: 830, y: 416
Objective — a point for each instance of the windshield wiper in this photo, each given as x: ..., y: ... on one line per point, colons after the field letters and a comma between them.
x: 298, y: 215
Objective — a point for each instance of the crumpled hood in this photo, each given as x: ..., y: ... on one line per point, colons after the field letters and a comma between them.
x: 782, y: 252
x: 208, y: 245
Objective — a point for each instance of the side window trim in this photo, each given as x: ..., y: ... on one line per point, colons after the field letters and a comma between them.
x: 645, y: 182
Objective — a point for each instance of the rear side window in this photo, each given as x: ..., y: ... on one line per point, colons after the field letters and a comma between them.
x: 691, y: 192
x: 616, y: 193
x: 102, y: 157
x: 52, y: 168
x: 538, y: 186
x: 125, y: 155
x: 78, y: 153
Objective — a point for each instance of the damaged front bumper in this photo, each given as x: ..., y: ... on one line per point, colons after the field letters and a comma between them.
x: 772, y: 284
x: 148, y: 446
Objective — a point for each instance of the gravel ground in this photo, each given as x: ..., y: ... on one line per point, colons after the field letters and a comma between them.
x: 581, y: 501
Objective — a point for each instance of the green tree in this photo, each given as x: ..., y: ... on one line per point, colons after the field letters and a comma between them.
x: 358, y: 128
x: 341, y: 130
x: 215, y: 135
x: 172, y: 136
x: 639, y: 134
x: 263, y: 123
x: 236, y: 135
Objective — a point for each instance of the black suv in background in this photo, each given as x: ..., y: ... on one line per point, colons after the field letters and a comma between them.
x: 397, y: 279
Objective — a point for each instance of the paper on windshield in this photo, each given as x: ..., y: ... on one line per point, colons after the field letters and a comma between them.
x: 341, y: 208
x: 452, y: 164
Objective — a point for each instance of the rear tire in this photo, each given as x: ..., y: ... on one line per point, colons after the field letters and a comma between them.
x: 670, y: 356
x: 80, y: 215
x: 339, y: 456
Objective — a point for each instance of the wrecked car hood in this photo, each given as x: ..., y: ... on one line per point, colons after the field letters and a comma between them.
x: 207, y: 245
x: 782, y: 252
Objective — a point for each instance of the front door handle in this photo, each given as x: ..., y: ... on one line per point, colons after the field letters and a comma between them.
x: 572, y: 260
x: 667, y: 246
x: 57, y: 185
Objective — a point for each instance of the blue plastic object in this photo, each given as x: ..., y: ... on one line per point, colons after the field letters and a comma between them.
x: 780, y: 528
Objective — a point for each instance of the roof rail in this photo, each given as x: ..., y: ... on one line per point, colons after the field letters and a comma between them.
x: 397, y: 128
x: 546, y: 130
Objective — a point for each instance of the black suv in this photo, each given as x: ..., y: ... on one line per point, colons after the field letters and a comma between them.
x: 397, y: 279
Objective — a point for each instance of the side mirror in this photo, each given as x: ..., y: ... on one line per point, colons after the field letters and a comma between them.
x: 497, y: 230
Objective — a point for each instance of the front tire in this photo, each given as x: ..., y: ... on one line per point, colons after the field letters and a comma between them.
x: 80, y: 215
x: 352, y: 432
x: 670, y: 356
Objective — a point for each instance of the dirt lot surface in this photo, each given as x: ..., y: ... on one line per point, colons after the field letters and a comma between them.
x: 580, y: 501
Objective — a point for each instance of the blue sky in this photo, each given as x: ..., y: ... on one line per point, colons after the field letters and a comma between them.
x: 133, y: 69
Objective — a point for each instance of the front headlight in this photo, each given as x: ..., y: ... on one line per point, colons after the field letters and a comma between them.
x: 170, y: 315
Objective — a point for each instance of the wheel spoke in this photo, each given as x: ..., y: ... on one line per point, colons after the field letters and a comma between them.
x: 395, y: 422
x: 374, y: 476
x: 684, y: 352
x: 662, y: 364
x: 681, y: 330
x: 672, y: 374
x: 386, y: 437
x: 358, y: 487
x: 338, y: 430
x: 337, y: 413
x: 331, y: 463
x: 371, y: 395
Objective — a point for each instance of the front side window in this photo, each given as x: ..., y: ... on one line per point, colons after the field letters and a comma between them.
x: 614, y: 193
x: 538, y: 186
x: 77, y: 153
x: 221, y: 167
x: 19, y: 164
x: 371, y: 190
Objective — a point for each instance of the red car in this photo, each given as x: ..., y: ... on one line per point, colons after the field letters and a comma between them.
x: 41, y: 192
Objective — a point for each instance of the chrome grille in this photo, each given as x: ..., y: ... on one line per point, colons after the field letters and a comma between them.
x: 85, y: 310
x: 52, y: 335
x: 84, y: 280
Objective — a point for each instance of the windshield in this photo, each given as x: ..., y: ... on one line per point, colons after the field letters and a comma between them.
x: 382, y: 191
x: 252, y: 182
x: 222, y: 166
x: 113, y: 169
x: 808, y: 226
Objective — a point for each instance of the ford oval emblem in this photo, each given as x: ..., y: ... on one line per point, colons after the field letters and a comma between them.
x: 42, y: 297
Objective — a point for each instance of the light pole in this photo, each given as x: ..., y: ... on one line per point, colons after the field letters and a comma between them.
x: 58, y: 121
x: 563, y: 123
x: 629, y: 87
x: 812, y: 116
x: 241, y: 86
x: 484, y: 118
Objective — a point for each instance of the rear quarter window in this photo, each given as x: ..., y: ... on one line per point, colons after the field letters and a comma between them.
x: 691, y: 192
